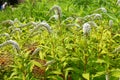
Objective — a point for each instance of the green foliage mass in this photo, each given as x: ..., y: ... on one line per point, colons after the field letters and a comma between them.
x: 54, y: 46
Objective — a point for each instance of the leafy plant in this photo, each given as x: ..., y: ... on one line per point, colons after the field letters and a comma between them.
x: 81, y: 43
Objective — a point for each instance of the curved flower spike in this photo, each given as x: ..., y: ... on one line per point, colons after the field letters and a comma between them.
x: 28, y: 24
x: 14, y: 43
x: 36, y: 51
x: 17, y: 29
x: 8, y: 22
x: 45, y: 24
x: 102, y: 9
x: 57, y: 10
x: 5, y: 34
x: 50, y: 62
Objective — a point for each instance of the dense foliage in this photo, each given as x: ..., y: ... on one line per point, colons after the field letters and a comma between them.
x: 60, y: 40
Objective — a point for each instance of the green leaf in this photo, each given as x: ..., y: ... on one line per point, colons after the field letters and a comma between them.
x: 112, y: 17
x: 13, y: 74
x: 31, y: 66
x: 36, y: 63
x: 58, y: 72
x: 100, y: 61
x: 55, y: 77
x: 86, y: 76
x: 65, y: 64
x: 116, y: 35
x: 69, y: 69
x: 99, y: 74
x: 116, y: 73
x: 66, y: 74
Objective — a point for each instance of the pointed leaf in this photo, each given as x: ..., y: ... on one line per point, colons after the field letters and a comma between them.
x: 86, y: 76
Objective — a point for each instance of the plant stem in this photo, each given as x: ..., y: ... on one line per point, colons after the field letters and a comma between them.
x: 107, y: 76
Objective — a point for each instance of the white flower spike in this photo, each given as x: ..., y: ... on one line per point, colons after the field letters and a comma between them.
x: 14, y: 43
x: 110, y: 23
x: 86, y: 29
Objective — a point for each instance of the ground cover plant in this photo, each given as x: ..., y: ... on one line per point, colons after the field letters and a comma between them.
x: 60, y: 40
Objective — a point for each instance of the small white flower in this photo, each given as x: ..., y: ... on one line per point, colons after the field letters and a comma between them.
x: 110, y: 23
x: 86, y: 28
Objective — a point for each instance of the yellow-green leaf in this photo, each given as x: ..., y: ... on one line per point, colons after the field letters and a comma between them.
x: 36, y: 63
x: 100, y: 61
x: 99, y: 74
x: 86, y: 76
x: 116, y: 73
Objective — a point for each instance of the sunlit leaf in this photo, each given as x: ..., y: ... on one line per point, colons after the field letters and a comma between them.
x: 86, y: 76
x: 56, y: 72
x: 36, y: 63
x: 100, y: 61
x: 55, y: 77
x: 116, y: 73
x: 68, y: 69
x: 99, y: 74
